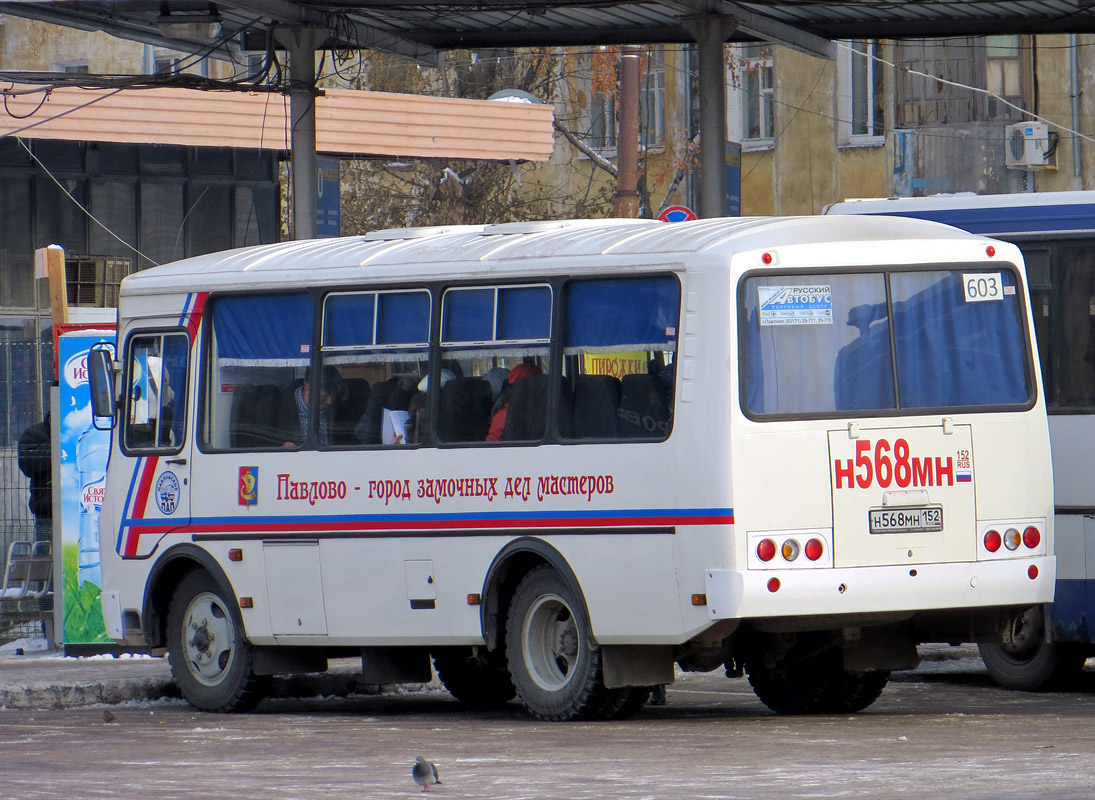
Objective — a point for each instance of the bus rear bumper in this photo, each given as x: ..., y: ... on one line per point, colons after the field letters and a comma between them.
x: 745, y: 594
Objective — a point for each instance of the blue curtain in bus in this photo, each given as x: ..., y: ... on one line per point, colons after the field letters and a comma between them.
x: 403, y: 318
x: 955, y: 353
x: 265, y: 330
x: 348, y: 320
x: 468, y: 316
x: 524, y: 312
x: 639, y: 314
x: 863, y: 375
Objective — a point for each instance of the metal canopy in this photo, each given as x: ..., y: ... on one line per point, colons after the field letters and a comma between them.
x: 418, y: 31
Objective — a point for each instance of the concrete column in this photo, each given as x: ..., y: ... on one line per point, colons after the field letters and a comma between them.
x: 710, y: 34
x: 301, y: 44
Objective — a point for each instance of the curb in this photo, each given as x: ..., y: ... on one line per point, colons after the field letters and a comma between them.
x: 61, y: 695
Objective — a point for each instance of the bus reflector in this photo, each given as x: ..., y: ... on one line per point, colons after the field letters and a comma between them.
x: 235, y: 554
x: 992, y: 541
x: 766, y: 258
x: 766, y: 550
x: 773, y: 584
x: 699, y: 599
x: 990, y: 251
x: 1012, y: 539
x: 814, y: 549
x: 247, y: 602
x: 790, y: 550
x: 475, y: 599
x: 1032, y: 572
x: 1032, y: 537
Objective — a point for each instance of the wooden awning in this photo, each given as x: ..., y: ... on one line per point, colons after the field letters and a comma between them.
x: 348, y: 123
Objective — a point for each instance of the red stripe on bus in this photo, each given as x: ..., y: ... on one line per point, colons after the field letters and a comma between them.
x: 140, y: 502
x: 454, y: 524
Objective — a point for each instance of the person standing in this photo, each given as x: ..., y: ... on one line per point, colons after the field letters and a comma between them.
x: 35, y: 455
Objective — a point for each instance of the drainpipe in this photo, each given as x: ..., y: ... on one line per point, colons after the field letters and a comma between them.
x: 627, y: 141
x: 1074, y: 90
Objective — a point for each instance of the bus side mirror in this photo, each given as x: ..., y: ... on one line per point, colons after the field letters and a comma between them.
x: 100, y: 368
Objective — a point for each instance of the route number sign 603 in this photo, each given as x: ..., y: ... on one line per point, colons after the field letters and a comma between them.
x: 982, y: 286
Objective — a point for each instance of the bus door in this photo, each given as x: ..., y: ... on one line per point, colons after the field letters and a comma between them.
x: 156, y: 438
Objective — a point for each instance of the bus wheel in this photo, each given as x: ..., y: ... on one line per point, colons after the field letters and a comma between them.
x: 473, y: 682
x: 1029, y: 662
x: 854, y: 691
x: 210, y: 659
x: 553, y: 660
x: 809, y: 678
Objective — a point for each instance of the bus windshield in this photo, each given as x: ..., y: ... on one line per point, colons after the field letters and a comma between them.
x: 828, y: 344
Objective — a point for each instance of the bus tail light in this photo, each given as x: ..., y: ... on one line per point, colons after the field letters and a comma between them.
x: 785, y: 549
x: 992, y: 540
x: 814, y: 549
x: 1012, y: 539
x: 790, y: 550
x: 766, y: 550
x: 1032, y: 537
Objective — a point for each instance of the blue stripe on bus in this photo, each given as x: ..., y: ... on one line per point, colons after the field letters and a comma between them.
x: 1009, y: 219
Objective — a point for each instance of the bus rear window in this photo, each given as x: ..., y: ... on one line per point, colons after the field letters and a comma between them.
x: 828, y: 344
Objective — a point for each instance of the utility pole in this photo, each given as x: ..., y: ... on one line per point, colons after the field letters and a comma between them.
x: 627, y: 140
x: 301, y: 43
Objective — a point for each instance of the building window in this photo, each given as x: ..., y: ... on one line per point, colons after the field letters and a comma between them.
x: 867, y: 116
x: 759, y: 95
x: 166, y: 66
x: 652, y: 99
x: 751, y: 96
x: 1003, y: 70
x: 1001, y: 64
x: 602, y: 120
x: 860, y: 94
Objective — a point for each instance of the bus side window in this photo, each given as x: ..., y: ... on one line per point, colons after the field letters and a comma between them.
x: 1074, y: 320
x: 259, y: 352
x: 620, y: 358
x: 495, y: 345
x: 157, y: 371
x: 379, y: 342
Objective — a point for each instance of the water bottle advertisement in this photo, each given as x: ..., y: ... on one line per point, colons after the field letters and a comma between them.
x: 84, y: 453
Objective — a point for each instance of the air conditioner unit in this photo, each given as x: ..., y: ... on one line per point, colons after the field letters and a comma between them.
x: 1030, y: 145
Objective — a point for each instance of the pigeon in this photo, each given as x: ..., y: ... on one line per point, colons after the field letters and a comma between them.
x: 108, y: 716
x: 424, y: 773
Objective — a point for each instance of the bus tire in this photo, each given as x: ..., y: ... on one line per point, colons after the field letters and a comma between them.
x: 211, y: 660
x: 477, y: 685
x: 855, y: 691
x: 810, y: 679
x: 554, y: 663
x: 1030, y: 663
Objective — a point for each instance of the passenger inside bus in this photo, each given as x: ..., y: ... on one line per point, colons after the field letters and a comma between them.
x: 500, y: 409
x: 295, y: 408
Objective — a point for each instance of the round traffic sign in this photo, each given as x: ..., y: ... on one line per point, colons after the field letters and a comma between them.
x: 677, y: 214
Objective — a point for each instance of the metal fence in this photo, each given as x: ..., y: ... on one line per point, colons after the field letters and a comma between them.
x: 26, y: 371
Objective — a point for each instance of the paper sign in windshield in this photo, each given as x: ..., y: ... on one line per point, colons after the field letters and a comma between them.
x: 796, y: 305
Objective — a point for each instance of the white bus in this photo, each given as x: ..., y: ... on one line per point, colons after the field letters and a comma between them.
x: 1046, y: 647
x: 560, y: 458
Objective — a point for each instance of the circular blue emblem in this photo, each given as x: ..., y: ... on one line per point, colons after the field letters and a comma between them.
x: 167, y: 492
